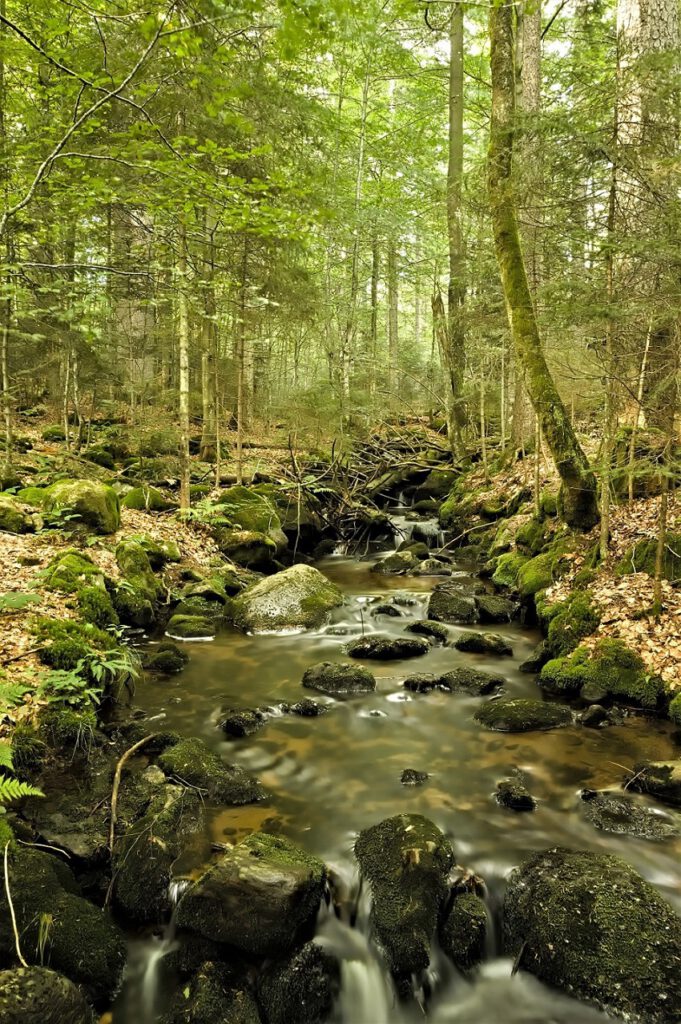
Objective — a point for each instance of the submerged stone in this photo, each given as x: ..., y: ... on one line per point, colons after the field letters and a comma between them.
x: 623, y: 814
x: 413, y: 777
x: 193, y: 763
x: 514, y: 794
x: 387, y: 648
x: 406, y: 861
x: 167, y: 659
x: 240, y: 722
x: 523, y: 715
x: 589, y: 924
x: 483, y: 643
x: 37, y: 995
x: 662, y: 779
x: 302, y: 987
x: 428, y: 627
x: 339, y: 680
x: 447, y: 604
x: 299, y: 597
x: 261, y: 897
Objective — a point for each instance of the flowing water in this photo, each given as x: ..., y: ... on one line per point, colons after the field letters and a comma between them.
x: 333, y: 775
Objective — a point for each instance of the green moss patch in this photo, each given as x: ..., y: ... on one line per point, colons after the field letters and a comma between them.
x: 610, y: 669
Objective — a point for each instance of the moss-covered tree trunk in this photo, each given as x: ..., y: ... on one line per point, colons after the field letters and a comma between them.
x: 579, y: 506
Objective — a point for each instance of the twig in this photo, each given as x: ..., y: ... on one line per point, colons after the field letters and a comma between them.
x: 117, y: 783
x: 24, y: 654
x: 17, y: 944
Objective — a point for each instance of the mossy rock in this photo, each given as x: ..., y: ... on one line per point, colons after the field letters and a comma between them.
x: 463, y: 933
x: 571, y: 621
x: 159, y: 552
x: 191, y: 627
x: 82, y: 940
x: 93, y: 504
x: 54, y: 433
x: 396, y: 564
x: 339, y: 680
x: 387, y: 648
x: 406, y: 861
x: 261, y: 897
x: 611, y: 668
x: 192, y: 762
x: 531, y: 536
x: 100, y: 457
x: 299, y: 597
x: 470, y: 680
x: 492, y: 608
x: 245, y: 547
x: 210, y: 589
x: 167, y: 659
x: 548, y: 504
x: 448, y: 604
x: 135, y: 567
x: 508, y: 568
x: 201, y: 608
x: 589, y: 924
x: 13, y: 519
x: 68, y: 729
x: 45, y: 628
x: 70, y: 571
x: 675, y: 709
x: 65, y: 654
x: 537, y: 574
x: 33, y: 496
x: 661, y: 779
x: 147, y: 499
x: 473, y: 642
x: 246, y: 509
x: 132, y: 606
x: 38, y: 995
x: 428, y: 627
x: 95, y: 606
x: 210, y: 996
x: 302, y: 987
x: 642, y: 556
x: 523, y: 715
x: 29, y: 752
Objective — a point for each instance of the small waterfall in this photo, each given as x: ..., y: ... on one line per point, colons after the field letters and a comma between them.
x: 151, y: 975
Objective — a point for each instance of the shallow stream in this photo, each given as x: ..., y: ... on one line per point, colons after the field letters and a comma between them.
x: 333, y: 775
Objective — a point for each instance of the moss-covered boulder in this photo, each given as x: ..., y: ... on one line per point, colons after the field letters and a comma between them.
x: 531, y: 536
x: 33, y: 496
x: 55, y: 432
x: 570, y: 621
x: 396, y: 564
x: 297, y: 598
x: 70, y: 571
x: 448, y: 604
x: 514, y: 794
x: 247, y: 548
x: 483, y: 643
x: 302, y: 987
x: 387, y: 648
x: 13, y: 519
x: 212, y: 996
x: 430, y: 628
x: 144, y: 855
x: 261, y: 897
x: 81, y: 941
x: 406, y: 861
x: 537, y: 574
x: 611, y: 669
x: 625, y: 814
x: 589, y: 924
x: 167, y: 659
x: 523, y: 715
x: 159, y: 552
x: 37, y: 995
x: 463, y: 932
x: 132, y: 606
x: 492, y: 608
x: 641, y: 558
x: 507, y: 569
x: 662, y: 779
x: 471, y: 680
x: 95, y: 606
x: 135, y: 567
x: 147, y: 499
x: 193, y: 763
x: 93, y: 504
x: 191, y: 627
x: 339, y: 680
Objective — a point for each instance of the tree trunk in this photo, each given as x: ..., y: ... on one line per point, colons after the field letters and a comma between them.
x: 209, y: 346
x: 578, y: 503
x: 183, y: 368
x: 240, y: 365
x: 373, y: 324
x: 393, y: 304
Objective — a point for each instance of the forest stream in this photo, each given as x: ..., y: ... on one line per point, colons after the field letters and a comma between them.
x: 331, y: 776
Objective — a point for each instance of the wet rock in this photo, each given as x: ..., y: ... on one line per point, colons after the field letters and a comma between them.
x: 428, y: 627
x: 250, y: 509
x: 192, y: 762
x: 387, y: 648
x: 449, y: 605
x: 240, y: 722
x: 609, y: 669
x: 247, y: 548
x: 300, y: 988
x: 406, y: 860
x: 483, y: 643
x: 82, y: 941
x: 471, y: 680
x: 589, y: 924
x: 396, y: 564
x: 307, y: 708
x: 13, y: 519
x: 339, y: 680
x: 523, y: 715
x: 623, y: 814
x: 419, y: 550
x: 211, y: 998
x: 594, y: 717
x: 492, y: 608
x: 36, y: 995
x: 413, y: 777
x: 93, y: 504
x: 386, y: 609
x: 463, y: 933
x: 431, y: 567
x: 537, y: 659
x: 422, y: 682
x: 514, y: 794
x: 662, y: 779
x: 260, y: 897
x: 167, y: 659
x: 144, y: 855
x: 297, y: 597
x: 191, y: 627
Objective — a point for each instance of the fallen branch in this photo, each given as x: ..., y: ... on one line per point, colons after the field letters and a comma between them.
x: 117, y: 783
x: 17, y: 944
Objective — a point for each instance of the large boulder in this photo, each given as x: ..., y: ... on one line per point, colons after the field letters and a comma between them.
x: 36, y: 995
x: 589, y: 924
x: 339, y: 680
x: 406, y: 861
x: 463, y: 932
x: 146, y: 499
x: 523, y: 715
x: 248, y: 548
x: 299, y: 597
x: 92, y: 503
x: 13, y: 519
x: 447, y: 604
x: 81, y: 941
x: 211, y: 997
x: 261, y: 897
x: 301, y: 987
x: 193, y: 763
x: 609, y: 669
x: 387, y: 648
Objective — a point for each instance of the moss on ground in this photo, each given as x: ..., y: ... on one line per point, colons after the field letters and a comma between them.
x: 642, y: 556
x: 571, y: 620
x: 610, y: 668
x: 508, y: 569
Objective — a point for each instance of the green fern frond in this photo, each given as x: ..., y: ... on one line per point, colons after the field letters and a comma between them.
x: 13, y: 789
x: 6, y: 754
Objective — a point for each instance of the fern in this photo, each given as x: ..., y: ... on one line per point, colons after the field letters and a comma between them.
x: 13, y: 789
x: 6, y: 755
x: 16, y: 601
x: 11, y: 695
